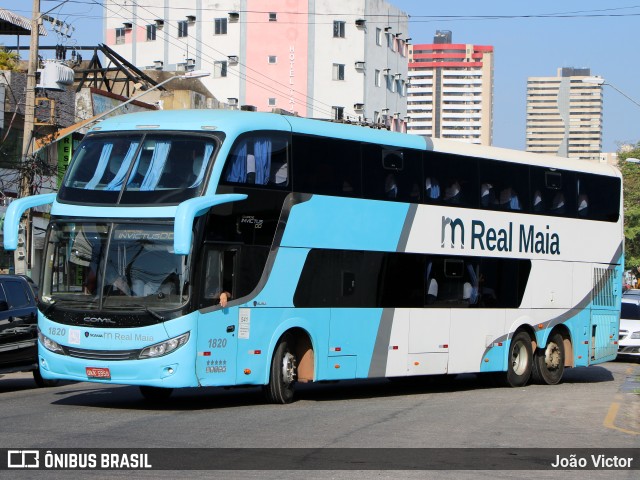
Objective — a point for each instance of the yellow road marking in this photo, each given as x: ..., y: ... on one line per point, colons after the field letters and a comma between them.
x: 609, y: 420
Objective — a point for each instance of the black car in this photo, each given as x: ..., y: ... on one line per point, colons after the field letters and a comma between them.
x: 19, y: 327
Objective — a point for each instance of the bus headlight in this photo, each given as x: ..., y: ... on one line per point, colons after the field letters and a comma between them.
x: 635, y: 335
x: 164, y: 348
x: 49, y: 344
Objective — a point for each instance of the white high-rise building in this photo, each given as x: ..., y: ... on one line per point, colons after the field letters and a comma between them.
x: 451, y: 90
x: 564, y: 115
x: 319, y: 58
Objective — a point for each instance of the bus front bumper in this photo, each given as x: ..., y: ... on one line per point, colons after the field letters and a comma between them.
x: 174, y: 370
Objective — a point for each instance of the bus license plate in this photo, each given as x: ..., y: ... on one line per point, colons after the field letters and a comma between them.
x: 98, y: 372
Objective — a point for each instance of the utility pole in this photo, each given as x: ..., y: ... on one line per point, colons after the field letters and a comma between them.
x: 22, y: 256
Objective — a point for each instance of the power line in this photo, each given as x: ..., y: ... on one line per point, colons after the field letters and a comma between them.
x: 247, y: 78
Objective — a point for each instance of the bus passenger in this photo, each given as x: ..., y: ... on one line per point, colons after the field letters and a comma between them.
x: 453, y: 193
x: 509, y: 199
x: 557, y: 206
x: 224, y: 298
x: 432, y: 188
x: 583, y: 205
x: 432, y: 292
x: 538, y: 206
x: 487, y: 197
x: 391, y: 186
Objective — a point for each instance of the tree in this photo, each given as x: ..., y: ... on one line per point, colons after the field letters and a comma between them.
x: 631, y: 188
x: 9, y: 60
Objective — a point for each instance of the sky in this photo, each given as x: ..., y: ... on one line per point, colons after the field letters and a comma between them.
x: 530, y: 39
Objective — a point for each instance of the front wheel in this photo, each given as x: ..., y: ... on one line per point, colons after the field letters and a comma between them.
x: 548, y: 363
x: 520, y: 360
x: 43, y: 382
x: 283, y: 373
x: 155, y: 394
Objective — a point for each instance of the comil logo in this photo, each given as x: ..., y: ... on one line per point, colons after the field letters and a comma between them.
x: 453, y: 225
x: 23, y: 459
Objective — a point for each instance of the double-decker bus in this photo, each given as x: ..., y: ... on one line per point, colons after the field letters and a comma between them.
x: 224, y: 248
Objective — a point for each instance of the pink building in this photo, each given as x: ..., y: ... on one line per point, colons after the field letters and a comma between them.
x: 318, y: 58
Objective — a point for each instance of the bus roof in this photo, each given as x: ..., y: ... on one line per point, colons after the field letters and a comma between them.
x: 519, y: 156
x: 234, y: 123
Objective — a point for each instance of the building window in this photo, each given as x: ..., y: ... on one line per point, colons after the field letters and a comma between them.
x: 273, y: 59
x: 219, y: 69
x: 338, y: 71
x: 337, y: 113
x: 119, y: 36
x: 220, y: 26
x: 378, y: 36
x: 151, y: 32
x: 273, y: 17
x: 272, y: 101
x: 378, y: 78
x: 183, y: 28
x: 338, y: 29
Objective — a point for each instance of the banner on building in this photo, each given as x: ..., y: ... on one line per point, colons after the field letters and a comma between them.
x: 65, y: 151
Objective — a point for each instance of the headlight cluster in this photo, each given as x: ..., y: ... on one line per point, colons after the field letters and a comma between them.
x: 164, y: 348
x: 635, y: 335
x: 49, y: 344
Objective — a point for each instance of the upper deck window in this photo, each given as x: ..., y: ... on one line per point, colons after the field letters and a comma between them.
x: 259, y: 159
x: 136, y: 169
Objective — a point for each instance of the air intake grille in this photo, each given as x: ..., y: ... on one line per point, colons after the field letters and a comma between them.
x: 102, y: 354
x: 603, y: 287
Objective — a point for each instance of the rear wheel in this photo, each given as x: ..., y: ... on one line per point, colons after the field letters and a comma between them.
x: 284, y: 372
x: 43, y: 382
x: 155, y: 394
x: 548, y: 363
x: 520, y: 360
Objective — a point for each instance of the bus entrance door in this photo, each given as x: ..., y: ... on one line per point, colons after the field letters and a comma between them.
x: 428, y: 341
x: 217, y: 347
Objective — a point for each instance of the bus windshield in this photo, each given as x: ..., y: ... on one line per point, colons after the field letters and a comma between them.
x: 126, y: 169
x: 114, y: 266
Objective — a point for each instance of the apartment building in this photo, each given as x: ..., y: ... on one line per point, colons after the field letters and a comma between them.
x: 451, y: 90
x: 564, y: 115
x: 318, y: 58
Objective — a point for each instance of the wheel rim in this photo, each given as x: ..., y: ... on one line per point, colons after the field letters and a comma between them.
x: 288, y: 368
x: 519, y: 358
x: 552, y: 356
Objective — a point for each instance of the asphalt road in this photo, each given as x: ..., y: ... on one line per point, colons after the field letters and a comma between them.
x: 593, y: 407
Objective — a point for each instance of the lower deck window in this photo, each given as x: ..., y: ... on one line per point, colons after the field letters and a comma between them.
x: 341, y: 278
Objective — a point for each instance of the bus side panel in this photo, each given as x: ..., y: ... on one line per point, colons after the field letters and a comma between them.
x: 352, y: 332
x: 604, y: 336
x: 259, y: 332
x: 346, y: 223
x: 215, y: 363
x: 473, y: 346
x: 578, y: 326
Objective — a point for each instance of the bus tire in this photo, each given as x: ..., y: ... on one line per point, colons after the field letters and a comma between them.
x: 548, y: 362
x: 43, y: 382
x: 520, y: 360
x: 283, y: 373
x: 155, y: 394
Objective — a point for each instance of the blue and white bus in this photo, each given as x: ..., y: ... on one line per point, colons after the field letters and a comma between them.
x: 223, y: 248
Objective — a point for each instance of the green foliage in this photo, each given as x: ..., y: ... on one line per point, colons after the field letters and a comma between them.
x: 631, y: 186
x: 9, y: 60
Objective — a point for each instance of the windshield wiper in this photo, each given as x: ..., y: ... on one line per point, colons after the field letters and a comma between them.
x: 128, y: 306
x: 154, y: 314
x: 74, y: 301
x: 48, y: 307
